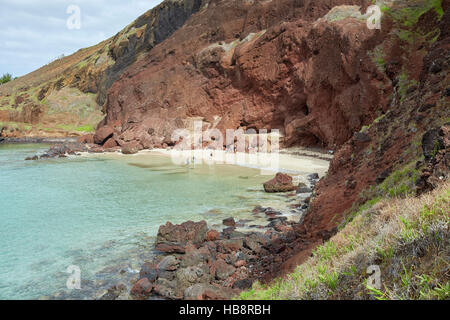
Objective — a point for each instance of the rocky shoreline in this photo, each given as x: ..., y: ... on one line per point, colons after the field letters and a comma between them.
x: 193, y: 261
x: 31, y: 140
x: 198, y: 263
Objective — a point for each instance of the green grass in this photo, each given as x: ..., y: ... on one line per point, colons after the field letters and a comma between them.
x: 85, y: 128
x: 388, y: 237
x: 16, y: 125
x: 378, y: 57
x: 410, y: 15
x: 7, y: 77
x: 71, y: 127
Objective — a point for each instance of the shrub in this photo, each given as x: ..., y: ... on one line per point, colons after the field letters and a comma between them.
x: 7, y: 77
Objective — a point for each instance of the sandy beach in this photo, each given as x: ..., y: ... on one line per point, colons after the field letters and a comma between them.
x: 287, y: 161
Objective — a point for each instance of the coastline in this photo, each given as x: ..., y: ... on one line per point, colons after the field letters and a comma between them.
x: 258, y: 249
x: 290, y: 160
x: 36, y: 140
x: 266, y: 234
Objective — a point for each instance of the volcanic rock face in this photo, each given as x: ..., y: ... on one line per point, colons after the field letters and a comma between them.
x: 413, y: 130
x: 254, y: 65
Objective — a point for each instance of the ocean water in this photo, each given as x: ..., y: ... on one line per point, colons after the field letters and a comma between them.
x: 102, y: 213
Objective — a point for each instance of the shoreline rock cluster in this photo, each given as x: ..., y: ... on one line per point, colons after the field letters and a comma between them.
x: 62, y: 149
x: 198, y: 263
x: 195, y: 262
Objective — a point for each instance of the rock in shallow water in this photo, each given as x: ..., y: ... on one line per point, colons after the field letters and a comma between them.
x: 229, y: 222
x: 281, y: 183
x: 142, y: 287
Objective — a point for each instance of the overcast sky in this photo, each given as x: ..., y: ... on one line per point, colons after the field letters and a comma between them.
x: 35, y: 32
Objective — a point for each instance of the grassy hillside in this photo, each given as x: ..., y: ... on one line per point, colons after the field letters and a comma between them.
x: 407, y: 238
x: 65, y: 97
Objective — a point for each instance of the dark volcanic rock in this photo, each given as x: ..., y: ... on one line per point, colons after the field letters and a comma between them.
x: 243, y: 284
x: 303, y: 188
x: 313, y: 176
x: 61, y: 150
x: 229, y: 222
x: 432, y: 142
x: 148, y: 270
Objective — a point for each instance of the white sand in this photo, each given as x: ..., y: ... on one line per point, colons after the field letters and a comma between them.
x: 269, y: 163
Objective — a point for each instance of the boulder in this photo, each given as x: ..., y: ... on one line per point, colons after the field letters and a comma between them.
x: 303, y: 188
x: 232, y: 245
x: 131, y: 147
x: 87, y: 139
x: 313, y: 176
x: 166, y: 288
x: 281, y: 183
x: 189, y: 276
x: 213, y: 235
x: 174, y: 238
x: 149, y: 271
x: 169, y: 263
x: 142, y: 287
x: 222, y: 270
x: 110, y: 143
x: 194, y: 257
x: 231, y: 233
x: 240, y: 263
x: 119, y: 292
x: 103, y: 134
x: 229, y: 222
x: 258, y: 209
x: 277, y: 222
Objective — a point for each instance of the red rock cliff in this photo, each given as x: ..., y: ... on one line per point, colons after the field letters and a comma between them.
x: 255, y: 64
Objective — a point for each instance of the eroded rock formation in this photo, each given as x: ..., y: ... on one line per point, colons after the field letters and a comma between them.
x: 255, y: 65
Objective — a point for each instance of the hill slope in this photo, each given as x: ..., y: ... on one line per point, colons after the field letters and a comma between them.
x: 65, y: 97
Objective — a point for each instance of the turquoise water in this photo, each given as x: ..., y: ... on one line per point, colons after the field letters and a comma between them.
x: 102, y: 213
